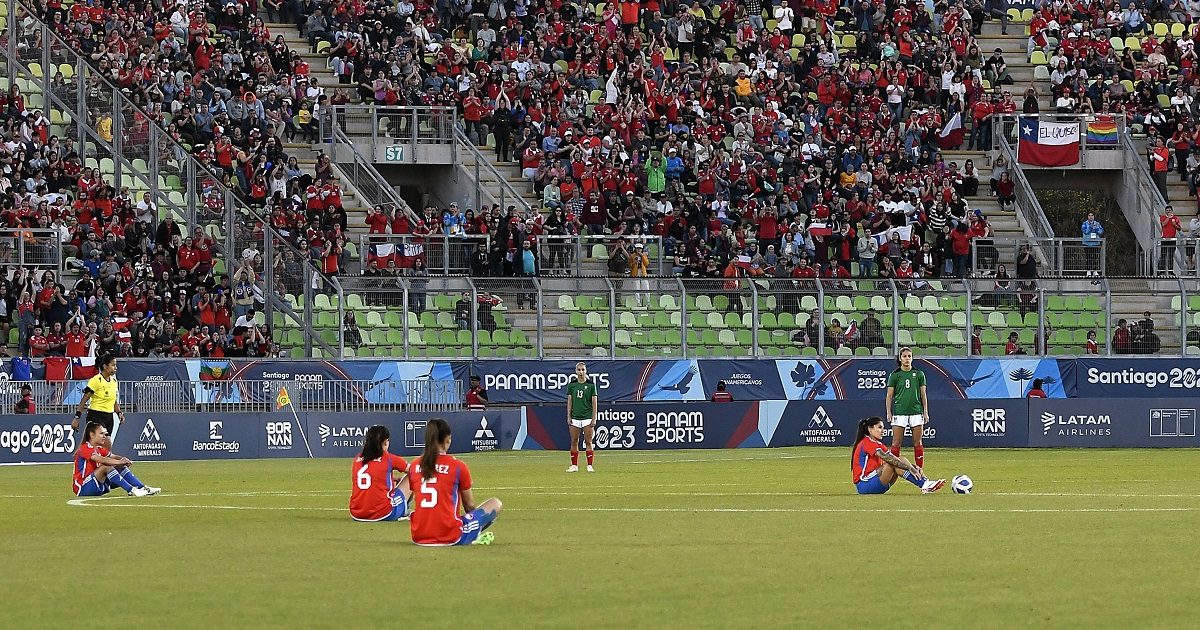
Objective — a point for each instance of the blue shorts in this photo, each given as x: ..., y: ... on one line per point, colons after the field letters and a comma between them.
x: 474, y: 522
x: 93, y: 487
x: 874, y: 485
x: 399, y: 511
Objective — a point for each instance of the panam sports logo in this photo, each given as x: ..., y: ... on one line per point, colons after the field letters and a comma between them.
x: 552, y: 381
x: 820, y: 428
x: 675, y: 427
x: 1082, y: 425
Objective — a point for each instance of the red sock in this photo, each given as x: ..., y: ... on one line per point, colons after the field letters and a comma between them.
x: 919, y: 453
x: 896, y: 451
x: 574, y: 458
x: 590, y: 455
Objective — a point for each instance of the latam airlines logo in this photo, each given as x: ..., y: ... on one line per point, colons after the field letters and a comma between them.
x: 342, y: 436
x: 820, y: 428
x: 1081, y: 425
x: 149, y: 442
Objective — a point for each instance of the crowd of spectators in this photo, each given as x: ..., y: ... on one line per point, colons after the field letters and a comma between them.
x: 729, y: 129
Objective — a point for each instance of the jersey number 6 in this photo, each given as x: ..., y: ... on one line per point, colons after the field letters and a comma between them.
x: 363, y: 479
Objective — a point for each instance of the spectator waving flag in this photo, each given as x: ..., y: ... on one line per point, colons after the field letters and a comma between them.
x: 905, y: 232
x: 951, y: 136
x: 1048, y: 143
x: 382, y: 252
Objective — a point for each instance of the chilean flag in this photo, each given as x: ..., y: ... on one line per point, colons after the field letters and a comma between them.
x: 1048, y: 143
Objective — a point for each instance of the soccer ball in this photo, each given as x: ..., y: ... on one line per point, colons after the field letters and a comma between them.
x: 962, y: 484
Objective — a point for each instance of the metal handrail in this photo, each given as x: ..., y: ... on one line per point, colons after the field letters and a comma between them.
x: 374, y: 189
x: 1148, y: 201
x: 19, y: 239
x: 508, y: 194
x: 157, y: 134
x: 1029, y: 209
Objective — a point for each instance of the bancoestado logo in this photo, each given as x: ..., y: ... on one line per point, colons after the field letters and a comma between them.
x: 485, y: 438
x: 1082, y: 425
x: 346, y: 436
x: 1175, y: 378
x: 928, y: 433
x: 279, y: 435
x: 40, y: 439
x: 552, y: 381
x: 820, y: 429
x: 216, y: 440
x: 988, y: 422
x: 674, y: 427
x: 614, y: 429
x: 149, y: 443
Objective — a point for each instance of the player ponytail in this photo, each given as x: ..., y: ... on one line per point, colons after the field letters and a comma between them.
x: 373, y: 443
x: 864, y: 425
x: 89, y: 429
x: 437, y: 431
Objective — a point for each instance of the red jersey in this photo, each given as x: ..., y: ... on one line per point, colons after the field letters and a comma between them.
x: 435, y: 518
x: 866, y: 462
x: 84, y: 466
x: 371, y: 486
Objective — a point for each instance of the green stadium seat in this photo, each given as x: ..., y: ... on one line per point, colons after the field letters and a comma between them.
x: 715, y: 320
x: 443, y: 320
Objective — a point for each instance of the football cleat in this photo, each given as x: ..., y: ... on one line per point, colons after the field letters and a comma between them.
x: 485, y: 538
x: 139, y: 492
x: 932, y: 485
x: 590, y: 469
x: 152, y: 490
x: 572, y: 468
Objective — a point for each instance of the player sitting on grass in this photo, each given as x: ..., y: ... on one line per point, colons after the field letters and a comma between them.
x: 441, y: 485
x: 379, y: 488
x: 97, y: 469
x: 875, y: 469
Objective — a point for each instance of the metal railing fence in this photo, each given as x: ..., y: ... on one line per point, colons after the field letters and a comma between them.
x: 442, y: 253
x: 31, y: 247
x: 1055, y: 257
x: 363, y: 176
x: 244, y: 396
x: 566, y: 255
x: 373, y: 126
x: 490, y: 186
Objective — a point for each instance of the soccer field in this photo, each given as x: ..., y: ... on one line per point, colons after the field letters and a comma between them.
x: 1077, y: 538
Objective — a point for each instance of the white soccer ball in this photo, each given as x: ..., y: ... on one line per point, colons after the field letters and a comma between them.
x: 962, y: 484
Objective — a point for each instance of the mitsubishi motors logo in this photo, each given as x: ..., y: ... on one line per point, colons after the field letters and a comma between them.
x: 149, y: 433
x: 484, y: 431
x: 820, y: 419
x: 485, y: 438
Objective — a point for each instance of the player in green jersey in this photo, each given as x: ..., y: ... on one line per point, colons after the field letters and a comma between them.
x: 582, y: 406
x: 907, y: 405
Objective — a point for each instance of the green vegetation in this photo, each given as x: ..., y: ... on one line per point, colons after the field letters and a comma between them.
x: 1051, y: 538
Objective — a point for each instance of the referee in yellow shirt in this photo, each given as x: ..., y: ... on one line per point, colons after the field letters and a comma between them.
x: 100, y: 398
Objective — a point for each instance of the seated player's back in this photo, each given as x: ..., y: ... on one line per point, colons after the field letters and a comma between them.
x: 435, y: 519
x: 371, y: 493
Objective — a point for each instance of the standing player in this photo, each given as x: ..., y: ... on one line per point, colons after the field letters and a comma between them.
x: 907, y: 405
x: 875, y: 469
x: 442, y: 484
x: 100, y: 398
x: 582, y: 409
x: 97, y: 469
x: 379, y: 488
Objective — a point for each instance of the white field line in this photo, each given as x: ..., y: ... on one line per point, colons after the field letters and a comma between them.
x: 857, y: 510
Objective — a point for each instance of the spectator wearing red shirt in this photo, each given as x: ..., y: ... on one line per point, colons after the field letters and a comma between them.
x: 721, y: 395
x: 976, y: 341
x: 1171, y: 226
x: 39, y: 346
x: 1012, y: 347
x: 1122, y: 342
x: 77, y: 340
x: 1092, y: 346
x: 26, y: 404
x: 1035, y: 390
x: 961, y: 246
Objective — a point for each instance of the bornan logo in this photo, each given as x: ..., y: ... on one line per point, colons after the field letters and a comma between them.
x: 149, y: 443
x: 988, y: 422
x: 820, y: 428
x: 279, y: 435
x: 485, y: 438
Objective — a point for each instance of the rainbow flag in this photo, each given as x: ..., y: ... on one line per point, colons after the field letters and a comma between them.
x: 1102, y: 130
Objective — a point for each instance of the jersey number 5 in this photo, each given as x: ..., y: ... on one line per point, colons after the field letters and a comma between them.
x: 429, y: 495
x: 362, y: 479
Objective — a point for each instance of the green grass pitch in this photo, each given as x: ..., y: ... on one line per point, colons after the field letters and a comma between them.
x: 1050, y: 538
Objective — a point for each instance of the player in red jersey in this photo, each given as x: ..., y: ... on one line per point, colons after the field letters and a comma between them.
x: 379, y: 488
x: 442, y: 485
x: 875, y: 468
x: 97, y: 469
